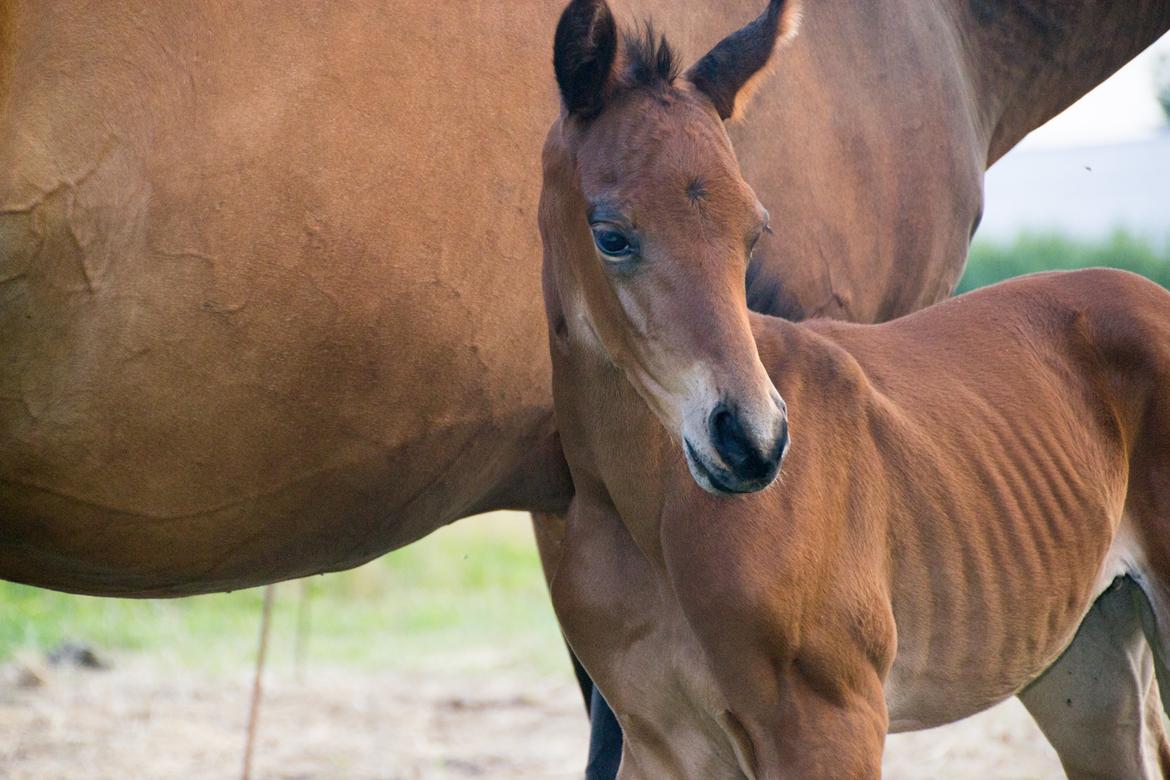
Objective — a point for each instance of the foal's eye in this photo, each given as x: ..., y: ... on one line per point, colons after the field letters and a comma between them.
x: 611, y: 242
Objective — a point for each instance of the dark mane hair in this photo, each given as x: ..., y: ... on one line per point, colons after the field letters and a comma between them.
x: 650, y: 60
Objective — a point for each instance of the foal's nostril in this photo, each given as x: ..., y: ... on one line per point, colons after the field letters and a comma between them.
x: 730, y: 440
x: 739, y: 452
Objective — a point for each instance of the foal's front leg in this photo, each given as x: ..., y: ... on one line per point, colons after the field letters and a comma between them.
x: 799, y: 660
x: 608, y: 603
x: 803, y: 702
x: 795, y: 722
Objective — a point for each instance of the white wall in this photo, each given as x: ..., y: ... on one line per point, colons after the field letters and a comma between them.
x: 1083, y: 191
x: 1103, y: 163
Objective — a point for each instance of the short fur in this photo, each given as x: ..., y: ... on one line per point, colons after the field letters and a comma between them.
x: 250, y: 392
x: 975, y: 504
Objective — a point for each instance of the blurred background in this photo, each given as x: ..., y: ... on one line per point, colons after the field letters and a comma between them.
x: 444, y: 659
x: 1091, y: 187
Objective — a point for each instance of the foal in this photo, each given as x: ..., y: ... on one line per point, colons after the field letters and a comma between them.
x: 962, y: 490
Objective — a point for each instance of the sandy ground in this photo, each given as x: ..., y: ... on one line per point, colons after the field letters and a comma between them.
x: 141, y: 719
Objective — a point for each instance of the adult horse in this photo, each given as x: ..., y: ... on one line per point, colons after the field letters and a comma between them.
x: 268, y: 304
x: 268, y: 300
x: 962, y: 489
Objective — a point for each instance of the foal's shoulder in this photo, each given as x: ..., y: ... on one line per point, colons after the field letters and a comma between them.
x: 816, y: 353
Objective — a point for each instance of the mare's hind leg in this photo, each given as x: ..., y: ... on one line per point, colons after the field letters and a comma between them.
x: 1098, y: 705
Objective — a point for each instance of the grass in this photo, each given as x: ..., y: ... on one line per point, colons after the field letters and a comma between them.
x: 990, y: 262
x: 471, y: 595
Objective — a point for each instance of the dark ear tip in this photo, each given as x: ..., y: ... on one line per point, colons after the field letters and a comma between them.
x: 584, y: 50
x: 725, y: 74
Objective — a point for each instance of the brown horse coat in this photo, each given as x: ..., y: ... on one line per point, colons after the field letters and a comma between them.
x: 269, y: 301
x: 973, y: 501
x: 961, y: 486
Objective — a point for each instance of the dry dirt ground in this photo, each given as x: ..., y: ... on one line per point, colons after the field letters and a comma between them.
x: 142, y: 719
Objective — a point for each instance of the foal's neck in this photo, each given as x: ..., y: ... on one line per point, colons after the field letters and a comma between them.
x: 619, y: 452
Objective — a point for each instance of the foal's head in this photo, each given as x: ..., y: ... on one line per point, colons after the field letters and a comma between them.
x: 648, y: 226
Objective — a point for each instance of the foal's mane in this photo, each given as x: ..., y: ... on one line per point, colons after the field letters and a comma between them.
x: 650, y: 61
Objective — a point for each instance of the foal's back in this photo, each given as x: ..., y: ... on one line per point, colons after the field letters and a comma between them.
x: 1004, y: 454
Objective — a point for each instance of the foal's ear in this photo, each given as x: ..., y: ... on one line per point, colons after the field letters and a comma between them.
x: 730, y: 72
x: 583, y: 56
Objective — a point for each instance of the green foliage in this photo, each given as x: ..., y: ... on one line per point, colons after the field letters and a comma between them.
x: 469, y: 596
x: 990, y: 262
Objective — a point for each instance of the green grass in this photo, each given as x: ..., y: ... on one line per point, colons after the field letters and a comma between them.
x: 471, y: 595
x: 990, y: 262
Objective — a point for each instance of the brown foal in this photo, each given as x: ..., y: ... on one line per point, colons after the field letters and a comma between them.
x: 964, y: 489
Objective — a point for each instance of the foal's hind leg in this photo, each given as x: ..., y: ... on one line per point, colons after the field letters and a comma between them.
x: 1098, y: 705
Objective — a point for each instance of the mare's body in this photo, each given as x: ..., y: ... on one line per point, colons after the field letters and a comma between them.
x: 268, y: 305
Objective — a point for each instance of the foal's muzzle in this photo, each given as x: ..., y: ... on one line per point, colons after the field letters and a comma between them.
x: 748, y: 450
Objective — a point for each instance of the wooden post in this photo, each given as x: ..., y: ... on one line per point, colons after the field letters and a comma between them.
x: 257, y: 691
x: 302, y: 637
